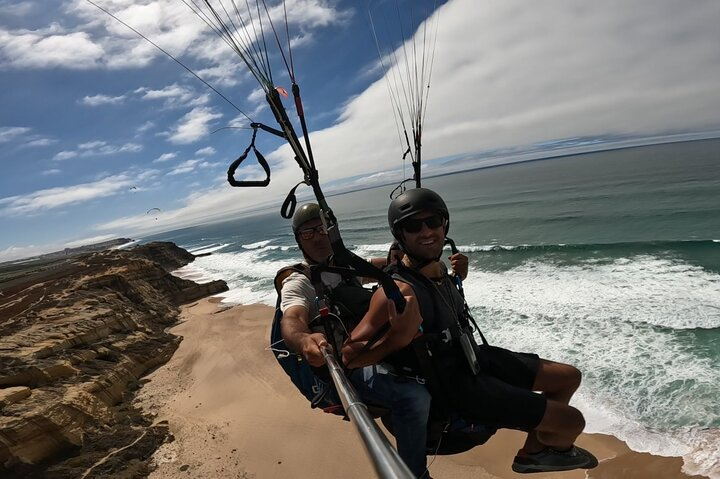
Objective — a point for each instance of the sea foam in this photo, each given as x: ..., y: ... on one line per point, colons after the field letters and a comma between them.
x: 629, y: 325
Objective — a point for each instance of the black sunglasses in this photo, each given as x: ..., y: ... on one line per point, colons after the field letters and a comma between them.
x: 415, y: 225
x: 309, y: 233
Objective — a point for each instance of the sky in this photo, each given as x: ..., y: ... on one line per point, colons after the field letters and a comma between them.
x: 97, y: 126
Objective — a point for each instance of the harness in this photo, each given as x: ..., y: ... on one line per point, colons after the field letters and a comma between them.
x: 447, y: 434
x: 439, y: 355
x: 341, y: 307
x: 446, y: 346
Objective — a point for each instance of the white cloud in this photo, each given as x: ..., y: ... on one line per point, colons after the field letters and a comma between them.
x: 23, y: 137
x: 65, y: 155
x: 174, y: 96
x: 97, y: 148
x: 256, y: 96
x: 100, y: 41
x: 213, y: 203
x: 190, y: 165
x: 207, y: 151
x: 165, y: 157
x: 193, y: 126
x: 27, y: 49
x: 310, y: 13
x: 124, y: 48
x: 40, y: 142
x: 184, y: 167
x: 507, y: 75
x: 53, y: 171
x: 228, y: 72
x: 89, y: 241
x: 17, y: 9
x: 10, y: 133
x: 112, y: 149
x: 53, y: 198
x: 147, y: 174
x: 99, y: 100
x: 13, y: 252
x: 148, y: 125
x: 91, y: 145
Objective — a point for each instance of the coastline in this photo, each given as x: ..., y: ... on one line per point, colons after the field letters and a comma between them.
x: 234, y: 413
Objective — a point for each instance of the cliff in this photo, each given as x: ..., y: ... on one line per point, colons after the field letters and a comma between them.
x: 74, y: 345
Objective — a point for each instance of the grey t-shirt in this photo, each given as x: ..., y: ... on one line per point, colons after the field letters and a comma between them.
x: 297, y: 290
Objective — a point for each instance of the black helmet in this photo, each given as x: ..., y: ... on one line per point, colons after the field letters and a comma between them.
x: 414, y: 201
x: 307, y: 212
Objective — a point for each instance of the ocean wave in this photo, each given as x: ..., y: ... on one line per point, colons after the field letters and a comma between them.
x: 377, y: 249
x: 642, y: 246
x: 697, y: 446
x: 257, y: 245
x: 644, y: 289
x: 644, y: 332
x: 209, y: 248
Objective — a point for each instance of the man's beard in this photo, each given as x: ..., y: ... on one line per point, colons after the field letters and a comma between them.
x: 425, y: 256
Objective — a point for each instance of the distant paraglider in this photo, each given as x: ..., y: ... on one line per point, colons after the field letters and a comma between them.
x: 154, y: 212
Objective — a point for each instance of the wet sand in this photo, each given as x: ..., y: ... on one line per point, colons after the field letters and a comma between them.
x: 235, y: 414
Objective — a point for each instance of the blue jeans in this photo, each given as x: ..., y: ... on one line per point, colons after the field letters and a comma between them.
x: 409, y: 404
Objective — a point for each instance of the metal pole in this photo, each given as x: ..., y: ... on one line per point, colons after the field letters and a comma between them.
x: 384, y: 457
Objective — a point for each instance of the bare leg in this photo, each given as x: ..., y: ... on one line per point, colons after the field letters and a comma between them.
x: 559, y: 428
x: 561, y: 422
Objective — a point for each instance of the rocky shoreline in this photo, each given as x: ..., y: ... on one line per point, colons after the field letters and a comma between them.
x: 75, y: 343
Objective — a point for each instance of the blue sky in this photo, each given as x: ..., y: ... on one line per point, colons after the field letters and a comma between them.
x: 97, y: 126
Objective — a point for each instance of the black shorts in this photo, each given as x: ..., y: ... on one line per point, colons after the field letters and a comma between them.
x: 501, y: 395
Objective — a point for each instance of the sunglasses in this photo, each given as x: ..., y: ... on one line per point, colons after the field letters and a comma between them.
x: 309, y: 233
x: 415, y: 225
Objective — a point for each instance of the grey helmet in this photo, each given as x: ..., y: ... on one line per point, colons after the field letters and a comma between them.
x: 307, y: 212
x: 414, y: 201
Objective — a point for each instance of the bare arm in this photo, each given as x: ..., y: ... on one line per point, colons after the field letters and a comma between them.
x: 403, y: 328
x: 379, y: 263
x: 298, y: 336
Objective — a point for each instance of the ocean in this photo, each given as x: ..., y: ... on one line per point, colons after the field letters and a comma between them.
x: 608, y: 260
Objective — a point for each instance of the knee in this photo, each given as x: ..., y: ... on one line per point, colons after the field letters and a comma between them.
x: 567, y: 378
x: 574, y: 377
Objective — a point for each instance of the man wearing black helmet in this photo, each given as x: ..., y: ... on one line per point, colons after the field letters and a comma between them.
x: 408, y: 401
x: 483, y: 384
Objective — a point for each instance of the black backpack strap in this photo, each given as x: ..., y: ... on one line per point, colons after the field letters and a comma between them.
x: 283, y: 273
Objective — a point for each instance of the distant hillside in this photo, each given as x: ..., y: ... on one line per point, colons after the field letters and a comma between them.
x: 75, y: 251
x: 12, y: 270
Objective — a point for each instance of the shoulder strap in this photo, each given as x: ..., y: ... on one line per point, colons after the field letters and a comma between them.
x: 425, y: 282
x: 283, y: 273
x: 426, y: 299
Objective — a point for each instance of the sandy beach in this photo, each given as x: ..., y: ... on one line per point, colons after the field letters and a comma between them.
x: 233, y: 413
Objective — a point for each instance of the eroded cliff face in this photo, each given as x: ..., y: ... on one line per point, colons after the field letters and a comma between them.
x: 74, y: 344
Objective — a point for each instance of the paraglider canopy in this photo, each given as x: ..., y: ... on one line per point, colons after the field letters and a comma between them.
x: 154, y: 211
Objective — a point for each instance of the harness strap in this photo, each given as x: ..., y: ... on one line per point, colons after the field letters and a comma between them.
x: 261, y: 161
